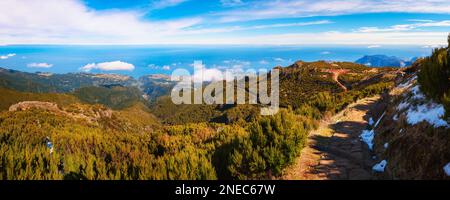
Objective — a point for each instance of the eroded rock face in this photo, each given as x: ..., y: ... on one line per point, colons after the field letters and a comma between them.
x: 27, y: 105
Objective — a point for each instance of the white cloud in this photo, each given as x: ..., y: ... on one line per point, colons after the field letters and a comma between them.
x: 406, y: 27
x: 203, y: 74
x: 231, y: 3
x: 420, y: 20
x: 289, y: 24
x: 109, y: 66
x: 39, y: 65
x: 445, y: 23
x: 237, y: 62
x: 279, y: 59
x: 333, y: 37
x: 72, y: 22
x: 256, y: 27
x: 373, y: 46
x: 263, y: 62
x: 215, y: 73
x: 160, y: 4
x: 4, y: 57
x: 164, y: 67
x: 306, y: 8
x: 433, y: 46
x: 390, y: 29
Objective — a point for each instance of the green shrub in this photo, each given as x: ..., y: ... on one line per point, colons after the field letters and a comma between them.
x: 271, y: 144
x: 434, y: 77
x: 434, y: 74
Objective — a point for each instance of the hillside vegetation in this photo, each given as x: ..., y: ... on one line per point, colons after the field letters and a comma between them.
x: 108, y: 132
x: 147, y: 87
x: 116, y: 97
x: 413, y: 135
x: 296, y: 83
x: 46, y: 83
x: 434, y: 76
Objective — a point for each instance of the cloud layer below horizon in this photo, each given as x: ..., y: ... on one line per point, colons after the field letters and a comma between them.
x: 39, y: 65
x: 108, y: 66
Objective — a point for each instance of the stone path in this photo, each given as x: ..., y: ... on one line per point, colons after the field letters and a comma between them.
x: 334, y: 151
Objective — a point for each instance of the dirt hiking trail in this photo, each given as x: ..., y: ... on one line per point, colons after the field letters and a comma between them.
x: 334, y: 151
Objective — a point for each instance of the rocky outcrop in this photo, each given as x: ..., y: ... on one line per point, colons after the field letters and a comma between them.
x: 89, y: 113
x: 27, y: 105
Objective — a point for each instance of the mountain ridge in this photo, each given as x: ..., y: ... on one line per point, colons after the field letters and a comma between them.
x: 167, y: 141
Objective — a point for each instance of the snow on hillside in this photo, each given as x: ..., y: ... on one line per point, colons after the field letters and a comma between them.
x: 380, y: 166
x: 367, y: 137
x: 415, y: 106
x: 447, y: 169
x: 418, y: 108
x: 431, y: 113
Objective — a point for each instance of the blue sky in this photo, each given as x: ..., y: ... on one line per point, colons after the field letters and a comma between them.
x: 242, y: 22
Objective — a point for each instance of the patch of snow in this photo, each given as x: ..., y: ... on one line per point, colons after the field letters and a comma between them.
x: 416, y: 93
x: 431, y: 113
x: 447, y: 169
x: 423, y: 110
x: 371, y: 121
x: 402, y: 106
x: 395, y: 118
x: 367, y: 137
x: 386, y: 145
x: 380, y: 166
x: 401, y: 130
x: 408, y: 83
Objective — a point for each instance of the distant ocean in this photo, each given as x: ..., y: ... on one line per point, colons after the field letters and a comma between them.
x: 163, y: 59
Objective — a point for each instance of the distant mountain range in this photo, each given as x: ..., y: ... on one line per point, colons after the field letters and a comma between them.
x: 119, y: 90
x: 384, y: 61
x: 150, y: 87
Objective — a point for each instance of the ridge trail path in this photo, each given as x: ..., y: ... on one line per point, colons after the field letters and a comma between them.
x: 335, y: 73
x: 334, y: 151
